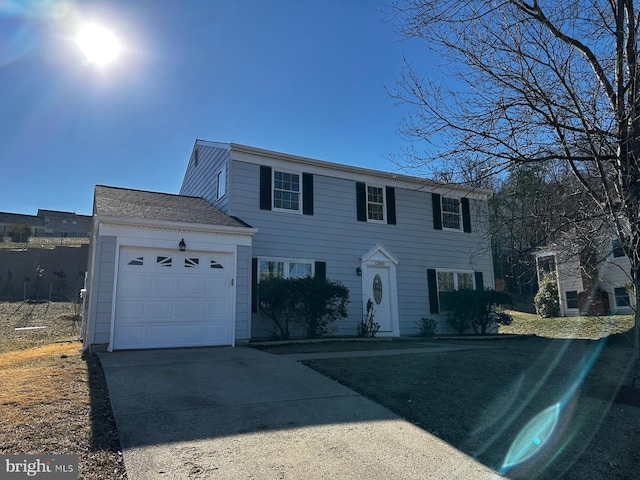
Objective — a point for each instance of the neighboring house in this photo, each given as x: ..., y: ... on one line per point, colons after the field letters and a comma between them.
x: 9, y: 221
x: 395, y: 239
x: 578, y: 291
x: 65, y: 224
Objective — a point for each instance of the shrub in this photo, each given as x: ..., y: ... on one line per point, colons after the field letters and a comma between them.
x: 427, y: 327
x: 278, y: 302
x: 320, y: 303
x: 475, y: 309
x: 21, y: 233
x: 315, y: 303
x: 546, y: 301
x: 367, y: 326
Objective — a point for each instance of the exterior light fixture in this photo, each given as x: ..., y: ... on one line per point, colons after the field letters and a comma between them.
x: 358, y: 271
x: 182, y: 245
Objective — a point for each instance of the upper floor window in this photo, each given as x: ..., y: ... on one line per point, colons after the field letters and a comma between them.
x: 451, y: 213
x: 286, y: 191
x: 375, y: 203
x: 74, y: 222
x: 64, y: 222
x: 222, y: 182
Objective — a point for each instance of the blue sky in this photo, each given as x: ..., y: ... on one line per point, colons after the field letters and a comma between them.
x: 304, y: 77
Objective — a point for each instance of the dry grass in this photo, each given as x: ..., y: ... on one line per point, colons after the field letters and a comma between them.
x: 60, y: 319
x: 53, y: 400
x: 567, y: 327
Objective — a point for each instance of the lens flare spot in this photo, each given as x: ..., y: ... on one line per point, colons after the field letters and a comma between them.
x: 532, y: 437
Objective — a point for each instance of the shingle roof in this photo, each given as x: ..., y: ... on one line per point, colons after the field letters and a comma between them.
x: 123, y: 202
x: 59, y: 214
x: 19, y: 218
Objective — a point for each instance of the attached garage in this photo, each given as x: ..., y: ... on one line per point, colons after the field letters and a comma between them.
x: 166, y: 298
x: 165, y: 271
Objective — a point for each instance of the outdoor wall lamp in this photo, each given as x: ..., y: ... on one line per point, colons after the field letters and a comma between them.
x: 182, y: 245
x: 358, y: 271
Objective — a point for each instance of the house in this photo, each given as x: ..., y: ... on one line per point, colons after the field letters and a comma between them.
x: 9, y: 221
x: 47, y: 223
x: 593, y: 289
x: 244, y: 214
x: 65, y: 224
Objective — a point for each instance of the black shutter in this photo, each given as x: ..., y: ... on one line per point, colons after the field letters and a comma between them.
x: 307, y: 193
x: 321, y: 270
x: 361, y: 201
x: 466, y: 216
x: 391, y: 205
x: 265, y: 187
x: 254, y: 285
x: 479, y: 281
x: 437, y: 211
x: 432, y: 283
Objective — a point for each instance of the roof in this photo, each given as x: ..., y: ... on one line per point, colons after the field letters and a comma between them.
x: 20, y: 219
x: 419, y: 182
x: 144, y: 205
x: 59, y: 214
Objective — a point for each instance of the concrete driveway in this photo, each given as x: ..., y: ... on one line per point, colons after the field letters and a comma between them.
x: 239, y: 413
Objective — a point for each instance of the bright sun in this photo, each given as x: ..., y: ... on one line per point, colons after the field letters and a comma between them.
x: 98, y: 44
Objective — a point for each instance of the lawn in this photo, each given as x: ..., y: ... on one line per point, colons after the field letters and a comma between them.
x: 53, y: 400
x: 499, y: 404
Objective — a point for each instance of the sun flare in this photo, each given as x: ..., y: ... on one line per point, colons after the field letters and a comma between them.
x: 98, y: 44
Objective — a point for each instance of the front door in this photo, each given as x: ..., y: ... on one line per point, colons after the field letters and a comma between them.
x: 378, y: 290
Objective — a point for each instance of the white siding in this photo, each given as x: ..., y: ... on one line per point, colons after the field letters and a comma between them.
x: 201, y: 180
x: 102, y: 290
x: 334, y: 235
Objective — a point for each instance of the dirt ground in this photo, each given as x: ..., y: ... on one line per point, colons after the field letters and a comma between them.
x: 53, y: 400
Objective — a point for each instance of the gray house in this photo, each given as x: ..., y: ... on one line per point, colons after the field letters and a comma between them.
x: 165, y: 268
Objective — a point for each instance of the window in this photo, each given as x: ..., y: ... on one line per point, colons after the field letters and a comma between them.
x: 46, y: 221
x: 64, y: 222
x: 191, y: 262
x: 451, y: 213
x: 375, y: 203
x: 163, y: 261
x: 215, y: 264
x: 450, y: 281
x: 616, y: 247
x: 138, y: 261
x: 74, y: 222
x: 572, y: 299
x: 622, y: 297
x: 286, y: 191
x: 280, y: 268
x: 222, y: 182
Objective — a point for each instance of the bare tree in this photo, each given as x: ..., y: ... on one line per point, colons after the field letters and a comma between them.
x: 533, y: 82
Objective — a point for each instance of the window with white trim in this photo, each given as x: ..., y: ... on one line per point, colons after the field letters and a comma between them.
x: 375, y: 203
x: 222, y: 182
x: 571, y: 297
x: 449, y: 281
x: 621, y: 297
x: 284, y: 268
x: 286, y: 191
x: 451, y: 213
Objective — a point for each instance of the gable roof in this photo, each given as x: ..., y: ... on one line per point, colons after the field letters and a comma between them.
x: 254, y: 154
x: 139, y: 204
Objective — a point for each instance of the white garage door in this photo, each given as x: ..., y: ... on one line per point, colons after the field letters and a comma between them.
x: 173, y: 299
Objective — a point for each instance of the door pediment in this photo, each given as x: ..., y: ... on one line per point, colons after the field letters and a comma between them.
x: 379, y: 255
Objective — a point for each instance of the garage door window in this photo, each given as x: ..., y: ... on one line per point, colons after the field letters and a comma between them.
x: 164, y: 261
x: 138, y: 261
x: 215, y: 264
x: 191, y: 262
